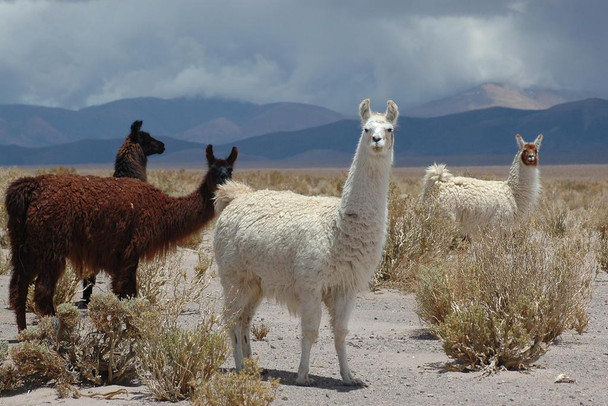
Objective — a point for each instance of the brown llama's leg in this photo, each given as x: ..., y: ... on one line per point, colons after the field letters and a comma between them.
x: 87, y: 286
x: 124, y: 282
x: 46, y: 283
x: 20, y: 281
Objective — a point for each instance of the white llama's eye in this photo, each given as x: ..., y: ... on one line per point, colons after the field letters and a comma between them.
x: 366, y: 130
x: 390, y: 130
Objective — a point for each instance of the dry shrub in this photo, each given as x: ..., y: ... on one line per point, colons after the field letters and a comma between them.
x: 174, y: 361
x: 242, y: 388
x: 68, y: 349
x: 259, y: 331
x: 168, y: 287
x: 107, y: 347
x: 506, y: 299
x: 416, y: 237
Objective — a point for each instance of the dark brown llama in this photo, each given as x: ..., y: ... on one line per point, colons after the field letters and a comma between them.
x: 132, y: 156
x: 131, y: 161
x: 98, y: 224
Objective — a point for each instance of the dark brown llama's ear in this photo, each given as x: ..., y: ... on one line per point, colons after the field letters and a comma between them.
x: 135, y: 128
x: 233, y: 154
x: 210, y: 156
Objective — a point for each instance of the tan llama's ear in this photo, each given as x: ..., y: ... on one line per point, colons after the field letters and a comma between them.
x: 210, y: 156
x: 392, y: 112
x: 233, y: 154
x: 520, y: 141
x: 364, y: 112
x: 538, y: 141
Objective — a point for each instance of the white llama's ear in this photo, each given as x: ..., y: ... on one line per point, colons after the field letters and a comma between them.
x: 364, y: 112
x: 520, y: 141
x: 392, y: 112
x: 538, y: 141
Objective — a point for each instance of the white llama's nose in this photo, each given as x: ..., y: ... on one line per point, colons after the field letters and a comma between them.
x: 376, y: 139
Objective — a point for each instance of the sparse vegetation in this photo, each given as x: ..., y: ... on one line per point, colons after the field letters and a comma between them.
x: 498, y: 302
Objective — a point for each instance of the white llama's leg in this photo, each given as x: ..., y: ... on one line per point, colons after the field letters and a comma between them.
x: 250, y: 304
x: 340, y: 305
x: 233, y: 316
x: 310, y: 311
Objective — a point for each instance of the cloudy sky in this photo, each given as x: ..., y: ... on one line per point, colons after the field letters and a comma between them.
x: 331, y: 53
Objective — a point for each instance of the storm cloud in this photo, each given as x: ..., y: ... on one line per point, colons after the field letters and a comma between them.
x: 79, y: 53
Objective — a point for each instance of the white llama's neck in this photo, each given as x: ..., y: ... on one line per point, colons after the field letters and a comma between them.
x: 524, y: 181
x: 365, y: 194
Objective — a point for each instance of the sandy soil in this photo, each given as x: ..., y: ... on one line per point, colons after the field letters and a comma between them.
x: 392, y: 352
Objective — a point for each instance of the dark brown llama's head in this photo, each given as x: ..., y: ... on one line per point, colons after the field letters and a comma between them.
x: 529, y: 150
x: 220, y: 170
x: 148, y: 144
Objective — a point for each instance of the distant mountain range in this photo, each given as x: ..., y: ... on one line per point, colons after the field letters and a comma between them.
x: 575, y: 132
x: 196, y: 119
x: 497, y: 95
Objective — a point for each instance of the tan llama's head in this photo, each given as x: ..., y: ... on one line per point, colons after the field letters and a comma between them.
x: 378, y: 128
x: 529, y: 150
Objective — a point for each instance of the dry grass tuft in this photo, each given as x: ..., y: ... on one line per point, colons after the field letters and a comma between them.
x: 242, y: 388
x: 260, y: 331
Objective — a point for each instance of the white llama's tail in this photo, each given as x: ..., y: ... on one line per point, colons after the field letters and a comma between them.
x: 228, y: 192
x: 437, y: 173
x: 434, y: 174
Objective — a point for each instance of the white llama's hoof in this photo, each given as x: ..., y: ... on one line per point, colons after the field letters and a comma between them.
x: 350, y: 381
x: 304, y: 381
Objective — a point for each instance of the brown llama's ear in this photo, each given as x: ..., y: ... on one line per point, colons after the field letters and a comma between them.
x: 233, y: 154
x: 135, y: 128
x: 210, y: 156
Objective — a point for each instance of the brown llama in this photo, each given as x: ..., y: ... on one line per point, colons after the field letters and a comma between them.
x: 98, y: 224
x: 131, y: 161
x: 132, y: 156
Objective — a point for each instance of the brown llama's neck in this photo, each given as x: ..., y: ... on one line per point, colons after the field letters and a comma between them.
x: 131, y: 162
x: 188, y: 214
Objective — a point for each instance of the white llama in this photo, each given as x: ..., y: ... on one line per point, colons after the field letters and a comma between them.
x: 478, y: 204
x: 303, y: 250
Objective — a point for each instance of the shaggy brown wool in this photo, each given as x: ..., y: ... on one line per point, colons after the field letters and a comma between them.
x: 98, y: 224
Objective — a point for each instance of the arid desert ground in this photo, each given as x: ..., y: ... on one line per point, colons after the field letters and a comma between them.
x: 389, y: 347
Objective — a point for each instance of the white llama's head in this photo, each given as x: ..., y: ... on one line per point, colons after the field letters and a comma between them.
x: 378, y: 128
x: 529, y: 150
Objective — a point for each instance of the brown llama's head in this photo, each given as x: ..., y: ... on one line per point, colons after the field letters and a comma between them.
x: 148, y: 144
x: 529, y: 150
x: 220, y: 170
